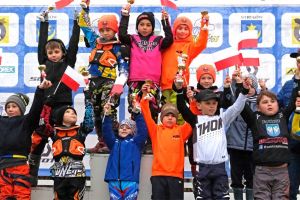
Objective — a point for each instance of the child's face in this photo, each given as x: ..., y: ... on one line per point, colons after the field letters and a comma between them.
x: 182, y: 32
x: 55, y: 54
x: 169, y: 120
x: 124, y: 131
x: 12, y: 110
x: 208, y: 107
x: 268, y: 106
x: 70, y: 117
x: 206, y: 81
x: 145, y: 27
x: 107, y: 33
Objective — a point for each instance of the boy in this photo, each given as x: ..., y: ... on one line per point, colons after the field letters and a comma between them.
x: 168, y: 141
x: 145, y: 59
x: 68, y: 150
x: 183, y: 42
x: 15, y: 133
x: 123, y: 167
x: 270, y: 145
x: 56, y: 57
x: 106, y: 56
x: 209, y: 142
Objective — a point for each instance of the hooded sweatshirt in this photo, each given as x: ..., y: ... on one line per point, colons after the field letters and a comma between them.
x: 187, y: 46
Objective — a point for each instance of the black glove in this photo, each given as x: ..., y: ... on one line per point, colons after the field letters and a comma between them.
x: 50, y: 100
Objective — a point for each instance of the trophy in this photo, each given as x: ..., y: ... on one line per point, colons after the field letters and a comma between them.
x: 126, y: 11
x: 136, y: 107
x: 42, y: 16
x: 181, y: 58
x: 86, y: 75
x: 204, y: 20
x: 42, y: 69
x: 84, y: 3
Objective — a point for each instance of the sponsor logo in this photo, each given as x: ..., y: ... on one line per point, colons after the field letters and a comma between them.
x: 4, y: 29
x: 295, y: 30
x: 7, y: 69
x: 273, y: 130
x: 247, y: 25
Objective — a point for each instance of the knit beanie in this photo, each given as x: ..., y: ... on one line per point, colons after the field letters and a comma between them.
x: 20, y: 99
x: 60, y: 114
x: 254, y: 81
x: 182, y: 20
x: 146, y: 15
x: 108, y: 21
x: 206, y: 69
x: 168, y: 108
x: 130, y: 123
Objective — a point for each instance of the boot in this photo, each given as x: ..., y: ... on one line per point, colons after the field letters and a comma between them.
x: 249, y: 194
x: 34, y: 164
x: 237, y: 193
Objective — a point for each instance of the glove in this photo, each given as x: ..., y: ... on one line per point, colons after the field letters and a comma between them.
x: 50, y: 101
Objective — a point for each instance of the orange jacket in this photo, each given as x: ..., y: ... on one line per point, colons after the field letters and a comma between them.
x: 169, y: 57
x: 167, y: 145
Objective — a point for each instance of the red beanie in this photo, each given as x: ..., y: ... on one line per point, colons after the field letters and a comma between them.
x: 206, y: 69
x: 108, y: 21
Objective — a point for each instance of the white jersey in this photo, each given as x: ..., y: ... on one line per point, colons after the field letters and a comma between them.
x: 210, y: 146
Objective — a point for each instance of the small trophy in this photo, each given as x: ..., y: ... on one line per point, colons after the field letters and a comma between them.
x: 136, y: 107
x: 42, y: 69
x: 84, y: 3
x: 46, y: 12
x: 204, y: 20
x: 297, y: 110
x: 126, y: 11
x: 181, y: 58
x: 86, y: 75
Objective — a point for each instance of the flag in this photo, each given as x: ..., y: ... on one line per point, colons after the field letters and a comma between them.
x: 72, y: 79
x: 248, y: 39
x: 0, y: 56
x: 227, y: 58
x: 117, y: 88
x: 250, y: 57
x: 169, y: 4
x: 62, y: 3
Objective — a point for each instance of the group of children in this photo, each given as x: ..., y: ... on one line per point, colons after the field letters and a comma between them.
x: 252, y: 126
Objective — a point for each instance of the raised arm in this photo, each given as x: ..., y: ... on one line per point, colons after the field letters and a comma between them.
x: 43, y: 38
x: 124, y: 37
x: 142, y: 132
x: 168, y: 39
x: 73, y: 44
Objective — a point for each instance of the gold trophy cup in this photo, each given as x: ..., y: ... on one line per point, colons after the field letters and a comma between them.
x: 86, y: 75
x: 181, y: 66
x: 129, y: 2
x: 204, y: 20
x: 46, y: 12
x: 42, y: 69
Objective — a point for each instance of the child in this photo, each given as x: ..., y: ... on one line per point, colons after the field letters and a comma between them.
x: 123, y: 167
x: 183, y: 43
x: 284, y: 96
x: 54, y: 55
x: 206, y: 77
x: 209, y: 142
x: 270, y: 145
x: 106, y: 56
x: 145, y: 60
x: 168, y: 141
x: 68, y: 149
x: 15, y: 133
x: 240, y: 148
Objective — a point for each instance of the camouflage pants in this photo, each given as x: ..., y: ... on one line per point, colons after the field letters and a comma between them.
x: 100, y: 88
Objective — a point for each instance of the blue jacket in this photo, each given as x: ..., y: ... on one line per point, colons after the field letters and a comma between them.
x: 284, y: 97
x: 125, y: 156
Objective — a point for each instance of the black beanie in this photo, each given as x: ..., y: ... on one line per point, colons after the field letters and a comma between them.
x: 146, y: 15
x: 60, y: 114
